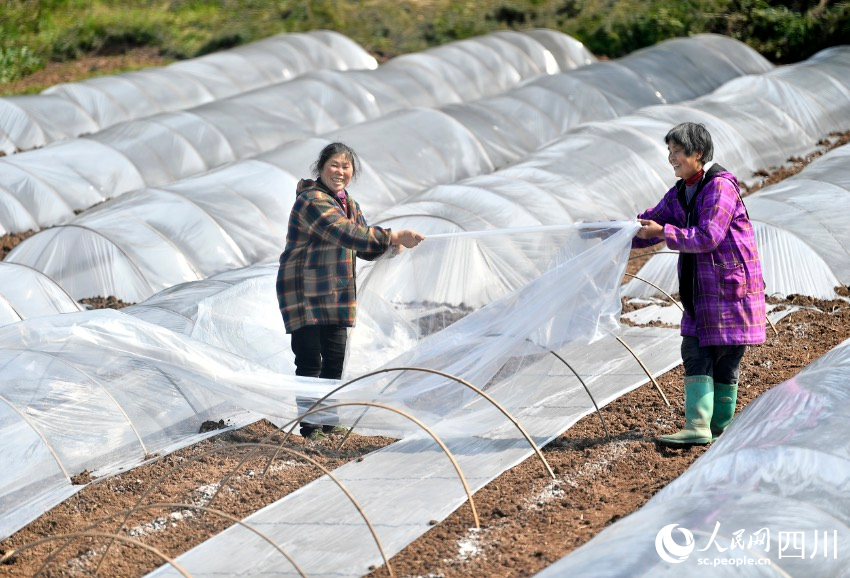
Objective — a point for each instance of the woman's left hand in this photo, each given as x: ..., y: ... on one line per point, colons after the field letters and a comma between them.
x: 650, y: 229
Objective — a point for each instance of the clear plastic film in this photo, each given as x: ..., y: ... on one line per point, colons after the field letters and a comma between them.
x: 131, y: 388
x: 160, y: 144
x: 405, y: 153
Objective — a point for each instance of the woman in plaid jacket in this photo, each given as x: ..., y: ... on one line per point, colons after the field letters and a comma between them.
x: 316, y: 280
x: 720, y: 279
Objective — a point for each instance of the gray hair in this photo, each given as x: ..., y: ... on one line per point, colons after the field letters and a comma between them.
x: 692, y: 136
x: 332, y: 150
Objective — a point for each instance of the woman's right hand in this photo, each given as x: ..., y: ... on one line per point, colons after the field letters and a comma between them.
x: 406, y: 238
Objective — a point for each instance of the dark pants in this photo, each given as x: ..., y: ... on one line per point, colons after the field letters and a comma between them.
x: 319, y: 352
x: 722, y: 362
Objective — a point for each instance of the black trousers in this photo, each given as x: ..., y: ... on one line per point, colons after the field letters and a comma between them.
x: 722, y: 362
x: 319, y: 352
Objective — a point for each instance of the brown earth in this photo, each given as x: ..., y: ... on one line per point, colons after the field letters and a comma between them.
x: 90, y: 66
x: 528, y: 521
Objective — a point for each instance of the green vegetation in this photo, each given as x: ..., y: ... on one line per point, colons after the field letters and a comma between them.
x: 33, y: 32
x: 17, y: 62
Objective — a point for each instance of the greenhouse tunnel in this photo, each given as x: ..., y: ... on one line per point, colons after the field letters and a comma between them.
x: 70, y: 110
x: 401, y: 171
x: 167, y: 147
x: 207, y: 333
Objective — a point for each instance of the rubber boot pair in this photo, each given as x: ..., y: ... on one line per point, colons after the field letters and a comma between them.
x: 709, y: 409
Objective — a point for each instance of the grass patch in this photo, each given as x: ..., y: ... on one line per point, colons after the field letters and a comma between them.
x: 18, y: 62
x: 33, y: 32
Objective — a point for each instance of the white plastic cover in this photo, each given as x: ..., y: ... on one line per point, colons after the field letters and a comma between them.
x: 73, y: 109
x: 402, y: 154
x: 131, y: 388
x: 169, y: 146
x: 771, y: 490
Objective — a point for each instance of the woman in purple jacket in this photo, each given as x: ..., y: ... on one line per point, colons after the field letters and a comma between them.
x: 720, y: 279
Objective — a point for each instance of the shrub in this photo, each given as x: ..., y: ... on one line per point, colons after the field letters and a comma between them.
x: 17, y: 62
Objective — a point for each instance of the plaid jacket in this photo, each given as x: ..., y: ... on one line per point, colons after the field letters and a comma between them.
x: 316, y: 278
x: 729, y: 306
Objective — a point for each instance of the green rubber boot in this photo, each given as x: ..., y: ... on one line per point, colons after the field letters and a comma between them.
x: 699, y: 406
x: 725, y: 398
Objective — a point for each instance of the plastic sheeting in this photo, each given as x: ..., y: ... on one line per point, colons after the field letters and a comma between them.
x: 73, y: 109
x: 402, y: 155
x: 170, y: 146
x: 505, y: 345
x: 101, y: 370
x: 238, y: 311
x: 802, y: 240
x: 28, y: 293
x: 615, y: 169
x: 771, y: 491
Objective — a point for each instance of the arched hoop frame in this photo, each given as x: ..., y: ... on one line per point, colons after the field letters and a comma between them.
x: 277, y: 448
x: 170, y: 505
x: 598, y: 412
x: 645, y: 370
x: 459, y: 380
x: 83, y: 534
x: 430, y: 432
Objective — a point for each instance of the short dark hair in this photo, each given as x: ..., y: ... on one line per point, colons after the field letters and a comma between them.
x: 330, y: 151
x: 692, y: 136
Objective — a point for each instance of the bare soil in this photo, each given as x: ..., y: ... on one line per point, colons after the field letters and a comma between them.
x: 528, y: 521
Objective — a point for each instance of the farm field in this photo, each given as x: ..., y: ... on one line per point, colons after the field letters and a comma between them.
x: 528, y: 521
x: 169, y: 504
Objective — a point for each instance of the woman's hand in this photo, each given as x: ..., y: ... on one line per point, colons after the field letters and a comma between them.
x: 649, y: 230
x: 406, y: 238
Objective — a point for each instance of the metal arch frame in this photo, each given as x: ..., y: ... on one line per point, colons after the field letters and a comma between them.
x: 587, y: 389
x: 430, y: 432
x: 670, y: 297
x: 178, y: 467
x: 645, y: 370
x: 114, y: 537
x: 461, y: 381
x: 173, y: 505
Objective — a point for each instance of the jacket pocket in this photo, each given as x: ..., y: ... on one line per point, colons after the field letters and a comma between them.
x: 731, y: 280
x: 318, y: 282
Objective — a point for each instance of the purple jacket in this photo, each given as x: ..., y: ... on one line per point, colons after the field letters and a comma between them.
x: 729, y: 304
